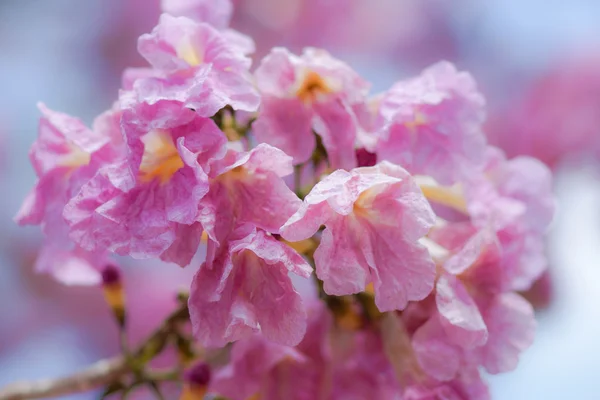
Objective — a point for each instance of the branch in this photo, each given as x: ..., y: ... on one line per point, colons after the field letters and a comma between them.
x: 102, y: 373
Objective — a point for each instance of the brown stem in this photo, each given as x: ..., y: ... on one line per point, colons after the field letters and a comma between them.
x: 96, y: 375
x: 103, y: 372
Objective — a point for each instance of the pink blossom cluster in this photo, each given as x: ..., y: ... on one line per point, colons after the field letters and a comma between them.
x: 418, y: 233
x: 557, y: 119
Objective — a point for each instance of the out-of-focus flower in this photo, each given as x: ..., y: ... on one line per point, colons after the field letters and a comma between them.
x: 65, y: 155
x: 270, y: 371
x: 433, y: 124
x: 557, y: 118
x: 514, y: 198
x: 196, y: 381
x: 414, y: 32
x: 214, y: 12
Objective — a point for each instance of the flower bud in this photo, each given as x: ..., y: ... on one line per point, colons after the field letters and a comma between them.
x: 113, y: 292
x: 196, y: 380
x: 365, y: 158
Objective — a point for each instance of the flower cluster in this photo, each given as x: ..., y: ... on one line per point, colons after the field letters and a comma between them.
x: 556, y: 119
x: 418, y: 232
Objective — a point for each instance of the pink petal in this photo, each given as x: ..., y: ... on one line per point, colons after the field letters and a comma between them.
x: 511, y: 325
x: 434, y: 124
x: 276, y: 73
x: 185, y: 246
x: 340, y: 264
x: 215, y: 12
x: 277, y: 305
x: 72, y: 266
x: 459, y: 314
x: 401, y: 271
x: 337, y: 125
x: 286, y: 124
x: 241, y: 292
x: 436, y: 354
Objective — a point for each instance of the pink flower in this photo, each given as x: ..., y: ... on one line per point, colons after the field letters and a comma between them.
x: 432, y: 124
x: 259, y: 367
x: 270, y: 371
x: 438, y: 356
x: 65, y: 155
x: 556, y: 119
x: 146, y: 205
x: 313, y: 92
x: 515, y: 198
x: 246, y: 187
x: 373, y: 217
x: 361, y: 369
x: 246, y: 289
x: 467, y: 386
x: 214, y: 12
x: 459, y: 315
x: 474, y: 322
x: 200, y: 67
x: 70, y: 264
x: 511, y: 324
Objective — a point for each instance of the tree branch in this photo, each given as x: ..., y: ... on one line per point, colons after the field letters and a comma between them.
x: 101, y: 373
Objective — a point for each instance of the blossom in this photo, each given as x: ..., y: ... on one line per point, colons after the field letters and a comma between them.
x: 247, y: 187
x: 262, y: 369
x: 65, y: 155
x: 246, y: 289
x: 146, y: 204
x: 267, y: 370
x: 214, y: 12
x: 474, y: 322
x: 419, y: 215
x: 313, y: 92
x: 510, y: 326
x: 515, y: 198
x: 555, y: 117
x: 328, y: 363
x: 373, y: 217
x: 198, y: 65
x: 467, y: 386
x: 432, y: 124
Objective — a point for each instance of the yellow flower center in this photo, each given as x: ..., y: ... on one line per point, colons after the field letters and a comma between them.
x: 76, y: 157
x: 419, y: 120
x: 447, y: 196
x: 189, y: 53
x: 312, y: 86
x: 363, y: 206
x: 161, y: 159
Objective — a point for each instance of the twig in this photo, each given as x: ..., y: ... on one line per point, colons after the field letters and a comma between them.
x: 298, y: 180
x: 96, y: 375
x: 101, y: 373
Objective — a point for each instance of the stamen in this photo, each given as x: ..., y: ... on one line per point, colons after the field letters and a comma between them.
x: 419, y: 120
x: 75, y: 158
x: 447, y: 196
x: 188, y: 53
x: 161, y: 159
x: 312, y: 86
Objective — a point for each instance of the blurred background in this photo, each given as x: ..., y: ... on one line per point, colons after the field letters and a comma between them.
x: 536, y: 61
